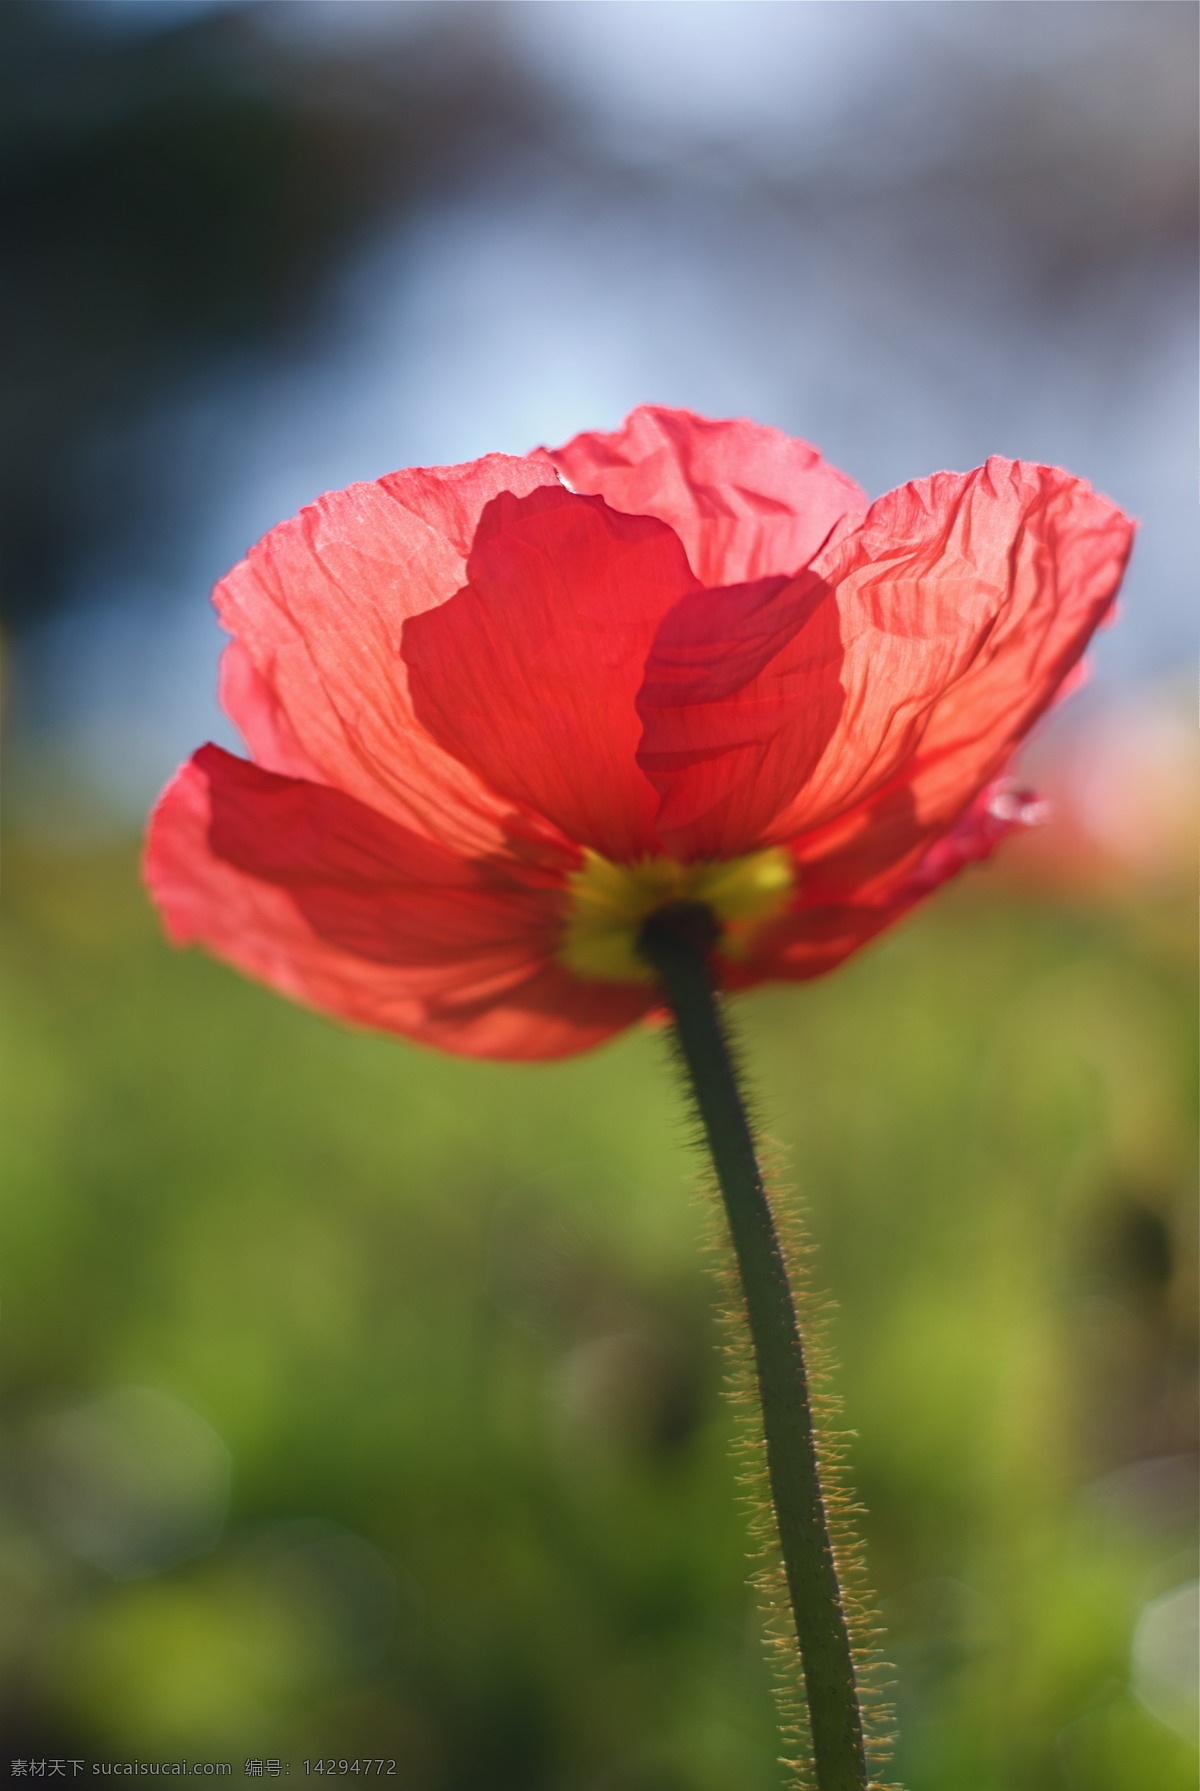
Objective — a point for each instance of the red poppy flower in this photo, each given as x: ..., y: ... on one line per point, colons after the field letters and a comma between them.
x: 500, y: 712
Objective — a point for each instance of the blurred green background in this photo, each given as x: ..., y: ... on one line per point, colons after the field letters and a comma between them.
x: 360, y: 1401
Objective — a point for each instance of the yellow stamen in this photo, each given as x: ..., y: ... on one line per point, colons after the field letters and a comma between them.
x: 610, y: 902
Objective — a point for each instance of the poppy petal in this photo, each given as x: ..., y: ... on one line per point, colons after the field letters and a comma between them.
x: 747, y: 501
x: 741, y: 696
x: 251, y: 703
x: 966, y: 600
x: 334, y: 906
x: 841, y: 908
x: 318, y: 607
x: 552, y: 1014
x: 529, y: 675
x: 963, y: 602
x: 1067, y: 561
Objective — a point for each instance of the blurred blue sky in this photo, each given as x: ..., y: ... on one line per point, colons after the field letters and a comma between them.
x: 913, y: 233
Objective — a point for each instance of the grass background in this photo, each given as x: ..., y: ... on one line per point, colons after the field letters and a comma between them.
x: 448, y: 1328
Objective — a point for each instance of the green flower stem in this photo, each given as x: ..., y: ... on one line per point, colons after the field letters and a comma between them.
x: 677, y: 941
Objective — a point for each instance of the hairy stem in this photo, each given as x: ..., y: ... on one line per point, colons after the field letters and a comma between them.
x: 677, y: 941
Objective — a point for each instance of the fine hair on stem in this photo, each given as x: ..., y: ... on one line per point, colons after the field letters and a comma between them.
x: 810, y: 1575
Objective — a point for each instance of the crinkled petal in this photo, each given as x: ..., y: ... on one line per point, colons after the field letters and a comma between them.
x: 873, y: 855
x: 305, y: 889
x: 747, y: 501
x: 726, y: 741
x: 964, y: 601
x: 252, y: 704
x: 846, y: 894
x: 1068, y: 555
x: 318, y: 607
x: 529, y: 674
